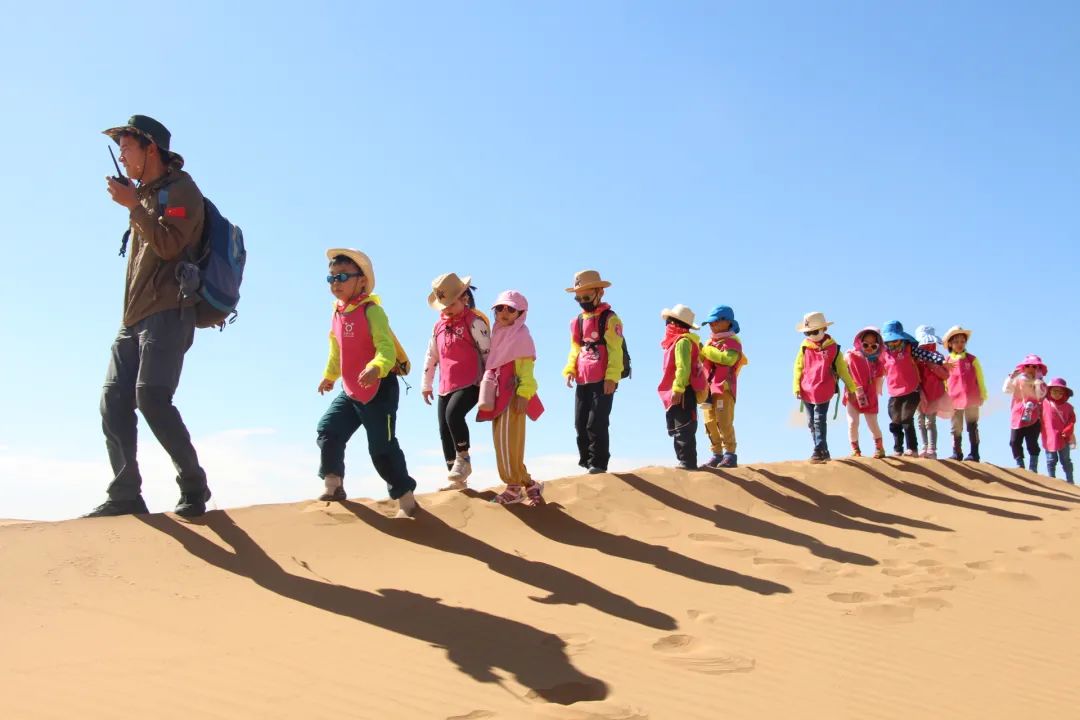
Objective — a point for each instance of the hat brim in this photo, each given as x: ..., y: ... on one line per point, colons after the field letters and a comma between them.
x: 803, y: 328
x: 895, y: 337
x: 362, y: 261
x: 116, y: 132
x: 930, y: 340
x: 598, y: 285
x: 950, y: 335
x: 667, y: 313
x: 434, y: 302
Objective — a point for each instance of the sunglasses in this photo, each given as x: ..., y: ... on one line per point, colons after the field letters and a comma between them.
x: 583, y: 298
x: 812, y: 333
x: 342, y: 277
x: 870, y: 346
x: 504, y: 308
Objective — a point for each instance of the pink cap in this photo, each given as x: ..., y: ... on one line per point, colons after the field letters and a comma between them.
x: 512, y: 298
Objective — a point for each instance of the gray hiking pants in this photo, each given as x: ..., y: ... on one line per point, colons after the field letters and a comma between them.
x: 143, y: 373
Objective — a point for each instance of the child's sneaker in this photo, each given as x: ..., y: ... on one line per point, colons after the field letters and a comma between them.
x: 911, y: 453
x: 930, y: 454
x: 534, y: 494
x: 406, y: 506
x: 685, y: 466
x: 461, y: 469
x: 715, y: 460
x: 512, y: 495
x: 334, y: 489
x: 730, y: 460
x: 454, y: 485
x: 855, y: 451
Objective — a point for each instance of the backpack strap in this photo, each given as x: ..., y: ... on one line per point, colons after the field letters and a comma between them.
x: 603, y: 321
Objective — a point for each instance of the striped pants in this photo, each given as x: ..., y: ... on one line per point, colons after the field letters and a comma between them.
x: 508, y: 432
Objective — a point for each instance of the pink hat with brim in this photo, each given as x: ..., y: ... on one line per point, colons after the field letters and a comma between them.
x: 1032, y: 361
x: 512, y: 298
x: 1059, y: 383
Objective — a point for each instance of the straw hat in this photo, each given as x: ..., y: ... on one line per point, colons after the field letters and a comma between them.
x: 446, y: 289
x: 953, y: 332
x: 587, y: 280
x: 813, y: 321
x: 681, y: 313
x: 362, y: 261
x: 1059, y: 383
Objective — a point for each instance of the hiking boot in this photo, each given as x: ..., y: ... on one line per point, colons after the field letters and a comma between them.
x: 597, y: 471
x: 534, y: 494
x: 115, y: 508
x: 1019, y: 462
x: 685, y: 466
x: 461, y: 469
x: 1033, y: 462
x: 335, y: 495
x: 714, y: 461
x: 731, y: 460
x: 192, y: 504
x: 972, y: 457
x: 817, y: 458
x: 406, y: 505
x: 855, y: 451
x: 879, y: 453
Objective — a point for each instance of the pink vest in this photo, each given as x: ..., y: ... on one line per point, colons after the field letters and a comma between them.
x: 720, y: 374
x: 357, y: 349
x: 901, y: 372
x: 818, y: 381
x: 934, y: 398
x: 698, y: 381
x: 505, y: 388
x: 865, y: 375
x: 964, y: 384
x: 459, y: 360
x: 1023, y: 392
x: 593, y: 359
x: 1056, y: 419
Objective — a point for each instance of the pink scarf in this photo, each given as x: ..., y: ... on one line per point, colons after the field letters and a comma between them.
x: 515, y: 341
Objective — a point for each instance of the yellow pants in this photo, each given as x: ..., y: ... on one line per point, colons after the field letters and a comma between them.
x: 508, y: 432
x: 719, y: 415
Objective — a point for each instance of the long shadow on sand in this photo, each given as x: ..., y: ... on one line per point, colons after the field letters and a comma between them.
x: 552, y: 522
x: 931, y: 495
x: 838, y: 510
x: 734, y: 521
x: 1029, y: 481
x: 921, y: 469
x: 565, y: 587
x: 475, y: 641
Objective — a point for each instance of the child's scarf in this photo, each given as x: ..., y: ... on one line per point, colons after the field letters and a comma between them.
x: 511, y: 342
x: 672, y: 334
x: 718, y: 337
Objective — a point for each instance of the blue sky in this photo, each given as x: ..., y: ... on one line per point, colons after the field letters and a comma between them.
x: 876, y: 161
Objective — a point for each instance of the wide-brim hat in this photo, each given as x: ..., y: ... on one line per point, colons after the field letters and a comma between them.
x: 588, y: 280
x: 812, y: 321
x: 447, y: 289
x: 681, y: 313
x: 147, y: 127
x: 953, y: 332
x: 894, y: 331
x: 1059, y: 383
x: 925, y: 335
x: 362, y: 261
x: 1032, y: 361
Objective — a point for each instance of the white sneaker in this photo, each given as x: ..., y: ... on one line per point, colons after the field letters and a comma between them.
x: 911, y: 453
x: 406, y: 506
x: 461, y: 469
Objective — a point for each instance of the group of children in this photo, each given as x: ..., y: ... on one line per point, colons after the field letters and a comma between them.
x: 488, y: 364
x: 925, y: 385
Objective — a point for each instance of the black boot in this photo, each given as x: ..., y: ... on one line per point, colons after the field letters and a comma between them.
x: 113, y: 508
x: 1033, y: 462
x: 193, y: 504
x: 973, y: 439
x: 957, y: 447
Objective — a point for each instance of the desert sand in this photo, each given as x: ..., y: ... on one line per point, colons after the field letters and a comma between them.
x: 858, y: 589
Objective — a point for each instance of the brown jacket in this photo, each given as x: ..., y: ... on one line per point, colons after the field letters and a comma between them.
x: 160, y: 239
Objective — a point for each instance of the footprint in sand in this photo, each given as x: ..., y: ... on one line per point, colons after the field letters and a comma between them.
x: 572, y: 643
x: 689, y: 652
x: 586, y: 711
x: 928, y: 603
x: 984, y: 565
x: 772, y: 561
x: 886, y: 613
x: 796, y: 575
x: 474, y: 715
x: 928, y: 562
x: 701, y: 616
x: 710, y: 538
x: 851, y: 597
x: 897, y: 571
x: 1026, y: 548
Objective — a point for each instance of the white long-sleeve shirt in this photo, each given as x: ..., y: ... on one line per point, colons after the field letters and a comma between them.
x: 481, y: 337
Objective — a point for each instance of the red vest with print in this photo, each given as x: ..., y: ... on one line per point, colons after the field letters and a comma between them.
x: 901, y: 372
x: 593, y: 359
x: 721, y: 374
x: 505, y: 389
x: 865, y: 374
x: 357, y: 349
x: 963, y: 383
x: 459, y: 360
x: 818, y: 381
x: 698, y: 381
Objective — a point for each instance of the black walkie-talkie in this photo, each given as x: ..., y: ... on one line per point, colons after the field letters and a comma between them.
x: 119, y: 177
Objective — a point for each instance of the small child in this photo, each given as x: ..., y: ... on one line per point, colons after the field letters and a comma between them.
x: 596, y: 364
x: 363, y: 353
x: 1058, y: 428
x: 934, y: 401
x: 967, y: 390
x: 1028, y: 390
x: 902, y: 377
x: 867, y: 370
x: 682, y: 372
x: 508, y: 396
x: 819, y: 366
x: 723, y: 360
x: 458, y: 347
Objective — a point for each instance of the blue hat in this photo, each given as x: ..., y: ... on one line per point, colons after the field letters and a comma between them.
x: 894, y: 331
x: 723, y: 312
x: 926, y: 335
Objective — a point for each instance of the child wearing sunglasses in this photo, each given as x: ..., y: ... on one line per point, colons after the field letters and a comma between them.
x: 819, y: 368
x: 1028, y: 391
x: 508, y: 396
x: 967, y: 391
x: 364, y: 354
x: 458, y: 349
x: 934, y: 401
x: 867, y: 370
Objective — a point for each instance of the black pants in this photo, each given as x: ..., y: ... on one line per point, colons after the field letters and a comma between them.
x: 682, y: 426
x: 144, y: 372
x: 592, y: 411
x: 1026, y: 436
x: 453, y: 428
x: 378, y: 417
x: 902, y: 421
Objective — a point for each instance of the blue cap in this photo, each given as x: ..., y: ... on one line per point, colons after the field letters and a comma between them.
x: 723, y: 312
x: 894, y: 331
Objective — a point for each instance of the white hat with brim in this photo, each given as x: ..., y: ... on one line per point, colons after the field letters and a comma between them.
x: 953, y: 332
x: 813, y: 321
x: 681, y: 313
x: 588, y: 280
x: 362, y: 261
x: 447, y: 289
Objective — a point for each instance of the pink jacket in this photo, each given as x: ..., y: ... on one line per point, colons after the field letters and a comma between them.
x: 866, y: 373
x: 934, y: 398
x: 1059, y: 424
x: 1024, y: 390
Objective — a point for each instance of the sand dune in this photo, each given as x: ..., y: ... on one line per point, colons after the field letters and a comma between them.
x: 860, y: 589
